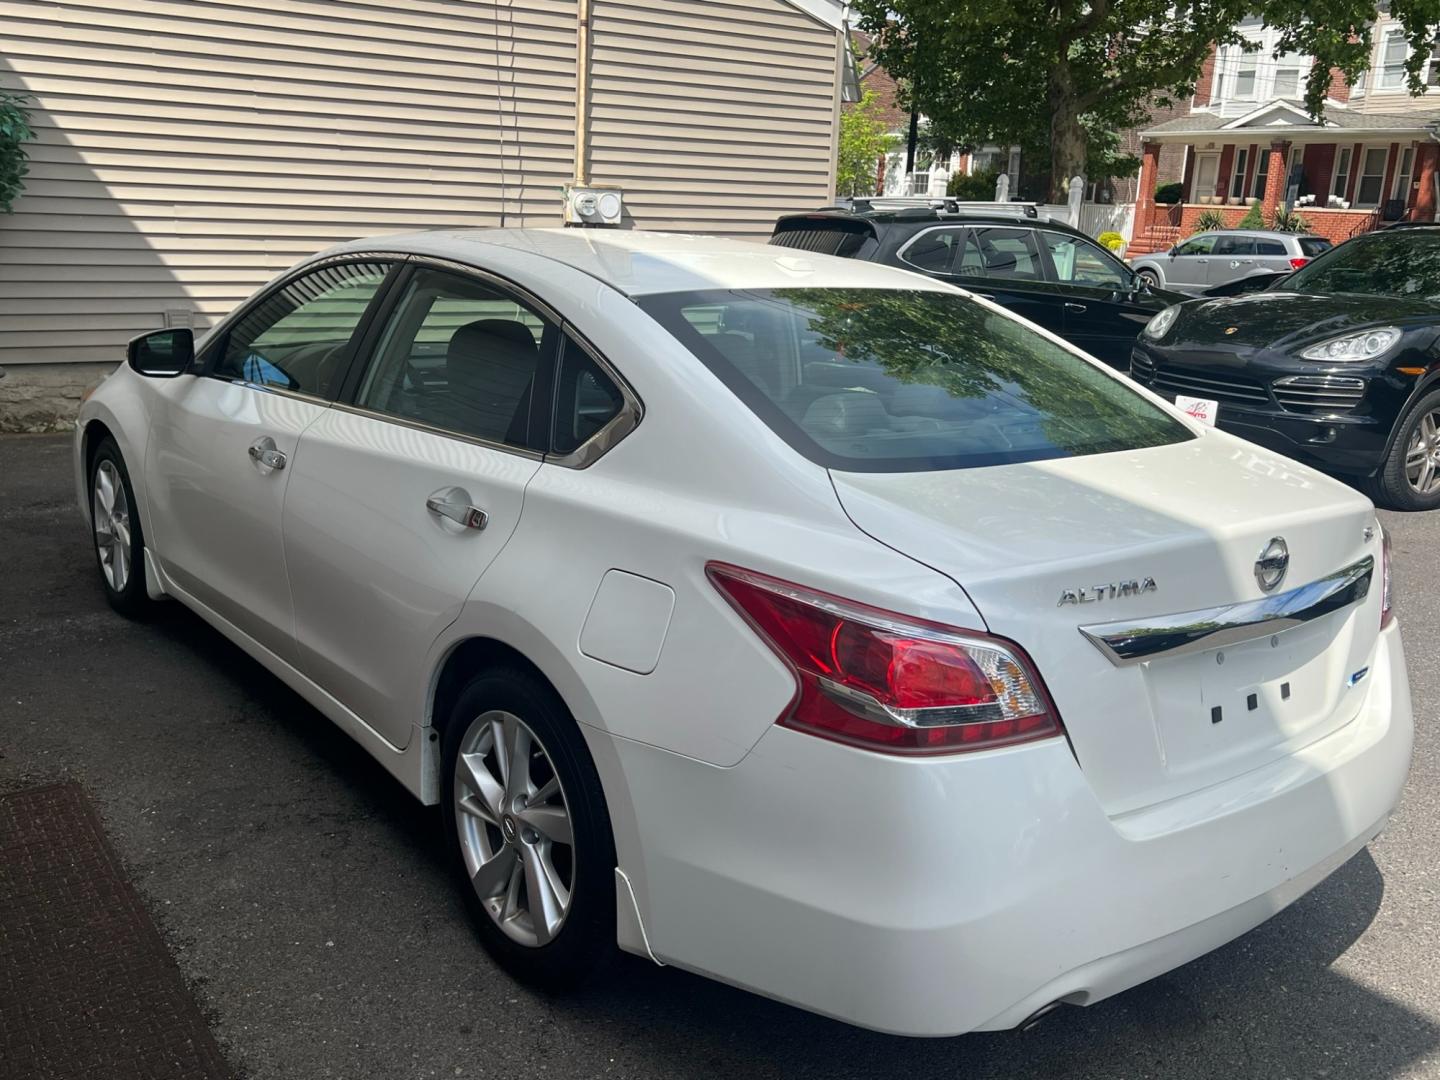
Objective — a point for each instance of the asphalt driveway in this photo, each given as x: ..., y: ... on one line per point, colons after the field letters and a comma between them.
x: 303, y: 892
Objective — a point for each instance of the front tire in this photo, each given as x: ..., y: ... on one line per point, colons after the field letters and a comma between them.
x: 115, y: 529
x: 1150, y: 276
x: 528, y: 831
x: 1409, y: 478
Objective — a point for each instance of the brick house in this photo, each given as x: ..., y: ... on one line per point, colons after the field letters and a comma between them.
x: 1371, y: 160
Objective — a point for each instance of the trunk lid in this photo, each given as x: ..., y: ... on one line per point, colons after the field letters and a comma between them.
x: 1194, y: 516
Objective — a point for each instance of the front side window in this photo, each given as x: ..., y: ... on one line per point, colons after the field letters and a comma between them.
x: 1197, y: 245
x: 1080, y: 262
x: 903, y: 380
x: 1404, y: 263
x: 298, y: 337
x: 460, y: 355
x: 1003, y: 254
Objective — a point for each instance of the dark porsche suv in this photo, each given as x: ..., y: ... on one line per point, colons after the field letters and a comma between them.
x: 1335, y: 365
x: 1051, y: 274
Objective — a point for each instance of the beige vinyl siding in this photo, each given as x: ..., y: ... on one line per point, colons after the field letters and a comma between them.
x: 713, y: 116
x: 188, y: 151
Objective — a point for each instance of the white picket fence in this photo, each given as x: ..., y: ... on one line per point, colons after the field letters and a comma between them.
x: 1095, y: 218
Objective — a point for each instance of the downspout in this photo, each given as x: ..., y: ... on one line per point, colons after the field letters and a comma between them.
x: 582, y: 94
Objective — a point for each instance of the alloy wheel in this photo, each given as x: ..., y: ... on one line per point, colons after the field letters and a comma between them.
x: 514, y: 828
x: 1422, y: 458
x: 111, y: 511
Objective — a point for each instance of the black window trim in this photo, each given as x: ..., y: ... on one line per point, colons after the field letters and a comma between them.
x: 219, y: 338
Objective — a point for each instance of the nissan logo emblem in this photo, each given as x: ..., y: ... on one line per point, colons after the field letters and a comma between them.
x: 1270, y: 567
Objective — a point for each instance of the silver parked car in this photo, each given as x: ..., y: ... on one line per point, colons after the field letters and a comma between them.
x: 1208, y: 259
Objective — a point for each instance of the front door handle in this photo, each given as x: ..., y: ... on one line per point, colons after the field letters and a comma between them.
x: 454, y: 504
x: 263, y: 453
x: 1079, y: 309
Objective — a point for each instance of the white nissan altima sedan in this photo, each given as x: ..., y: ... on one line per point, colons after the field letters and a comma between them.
x: 797, y: 621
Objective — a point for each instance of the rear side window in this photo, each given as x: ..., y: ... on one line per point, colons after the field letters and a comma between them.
x: 1269, y: 247
x: 1235, y: 245
x: 461, y: 356
x: 586, y: 399
x: 1003, y: 254
x: 901, y: 380
x: 933, y: 250
x: 1312, y: 246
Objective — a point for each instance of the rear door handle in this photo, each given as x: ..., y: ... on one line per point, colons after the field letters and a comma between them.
x: 454, y: 504
x: 1070, y: 305
x: 263, y: 453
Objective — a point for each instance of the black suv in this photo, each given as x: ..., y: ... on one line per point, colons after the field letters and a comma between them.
x: 1053, y: 275
x: 1336, y: 365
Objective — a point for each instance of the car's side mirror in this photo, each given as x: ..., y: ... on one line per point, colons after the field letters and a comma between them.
x: 162, y: 354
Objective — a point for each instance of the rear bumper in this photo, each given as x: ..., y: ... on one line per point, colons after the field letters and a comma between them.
x: 943, y: 896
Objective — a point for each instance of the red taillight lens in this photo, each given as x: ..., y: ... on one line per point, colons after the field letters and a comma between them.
x: 1387, y: 611
x: 888, y: 682
x: 1298, y: 262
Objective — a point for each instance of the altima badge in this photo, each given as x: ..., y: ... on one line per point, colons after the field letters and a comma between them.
x: 1111, y: 590
x: 1231, y: 329
x: 1270, y: 567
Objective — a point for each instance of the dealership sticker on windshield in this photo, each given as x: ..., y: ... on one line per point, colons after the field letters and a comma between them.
x: 1202, y: 409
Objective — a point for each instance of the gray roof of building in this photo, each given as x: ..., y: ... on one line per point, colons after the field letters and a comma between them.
x: 1335, y: 118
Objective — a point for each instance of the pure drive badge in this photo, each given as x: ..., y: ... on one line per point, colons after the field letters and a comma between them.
x: 1110, y: 590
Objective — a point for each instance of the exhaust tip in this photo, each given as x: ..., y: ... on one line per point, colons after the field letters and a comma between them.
x: 1033, y: 1020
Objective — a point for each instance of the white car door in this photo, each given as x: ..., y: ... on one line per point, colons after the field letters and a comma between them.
x: 404, y: 492
x: 222, y: 445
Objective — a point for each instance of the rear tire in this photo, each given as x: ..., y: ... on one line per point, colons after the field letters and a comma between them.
x: 115, y: 530
x: 530, y: 844
x: 1409, y: 477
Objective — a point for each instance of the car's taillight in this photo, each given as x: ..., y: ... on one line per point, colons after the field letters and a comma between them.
x: 888, y: 682
x: 1387, y: 610
x: 1298, y: 261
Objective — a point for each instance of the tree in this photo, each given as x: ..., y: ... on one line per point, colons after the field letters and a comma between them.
x: 14, y: 130
x: 1062, y: 77
x: 864, y: 140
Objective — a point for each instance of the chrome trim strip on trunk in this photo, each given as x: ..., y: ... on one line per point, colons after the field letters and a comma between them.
x: 1127, y: 642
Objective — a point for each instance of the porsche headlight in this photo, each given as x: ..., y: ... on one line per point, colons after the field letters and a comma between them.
x: 1157, y: 326
x: 1365, y: 345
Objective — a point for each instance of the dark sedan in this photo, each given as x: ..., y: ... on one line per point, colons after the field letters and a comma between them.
x: 1336, y: 365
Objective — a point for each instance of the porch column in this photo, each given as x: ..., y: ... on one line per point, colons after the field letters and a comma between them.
x: 1425, y: 197
x: 1145, y: 193
x: 1276, y: 178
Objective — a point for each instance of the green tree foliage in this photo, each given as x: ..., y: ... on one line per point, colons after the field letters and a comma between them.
x: 1061, y: 77
x: 14, y: 131
x: 977, y: 187
x: 1253, y: 219
x: 1169, y: 193
x: 864, y: 140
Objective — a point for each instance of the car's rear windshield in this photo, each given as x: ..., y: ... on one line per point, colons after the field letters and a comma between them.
x: 902, y: 380
x: 1404, y: 262
x: 1310, y: 246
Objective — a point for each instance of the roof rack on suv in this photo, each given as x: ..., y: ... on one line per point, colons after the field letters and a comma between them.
x: 900, y: 203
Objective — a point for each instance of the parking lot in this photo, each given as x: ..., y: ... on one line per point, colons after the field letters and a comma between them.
x: 303, y: 892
